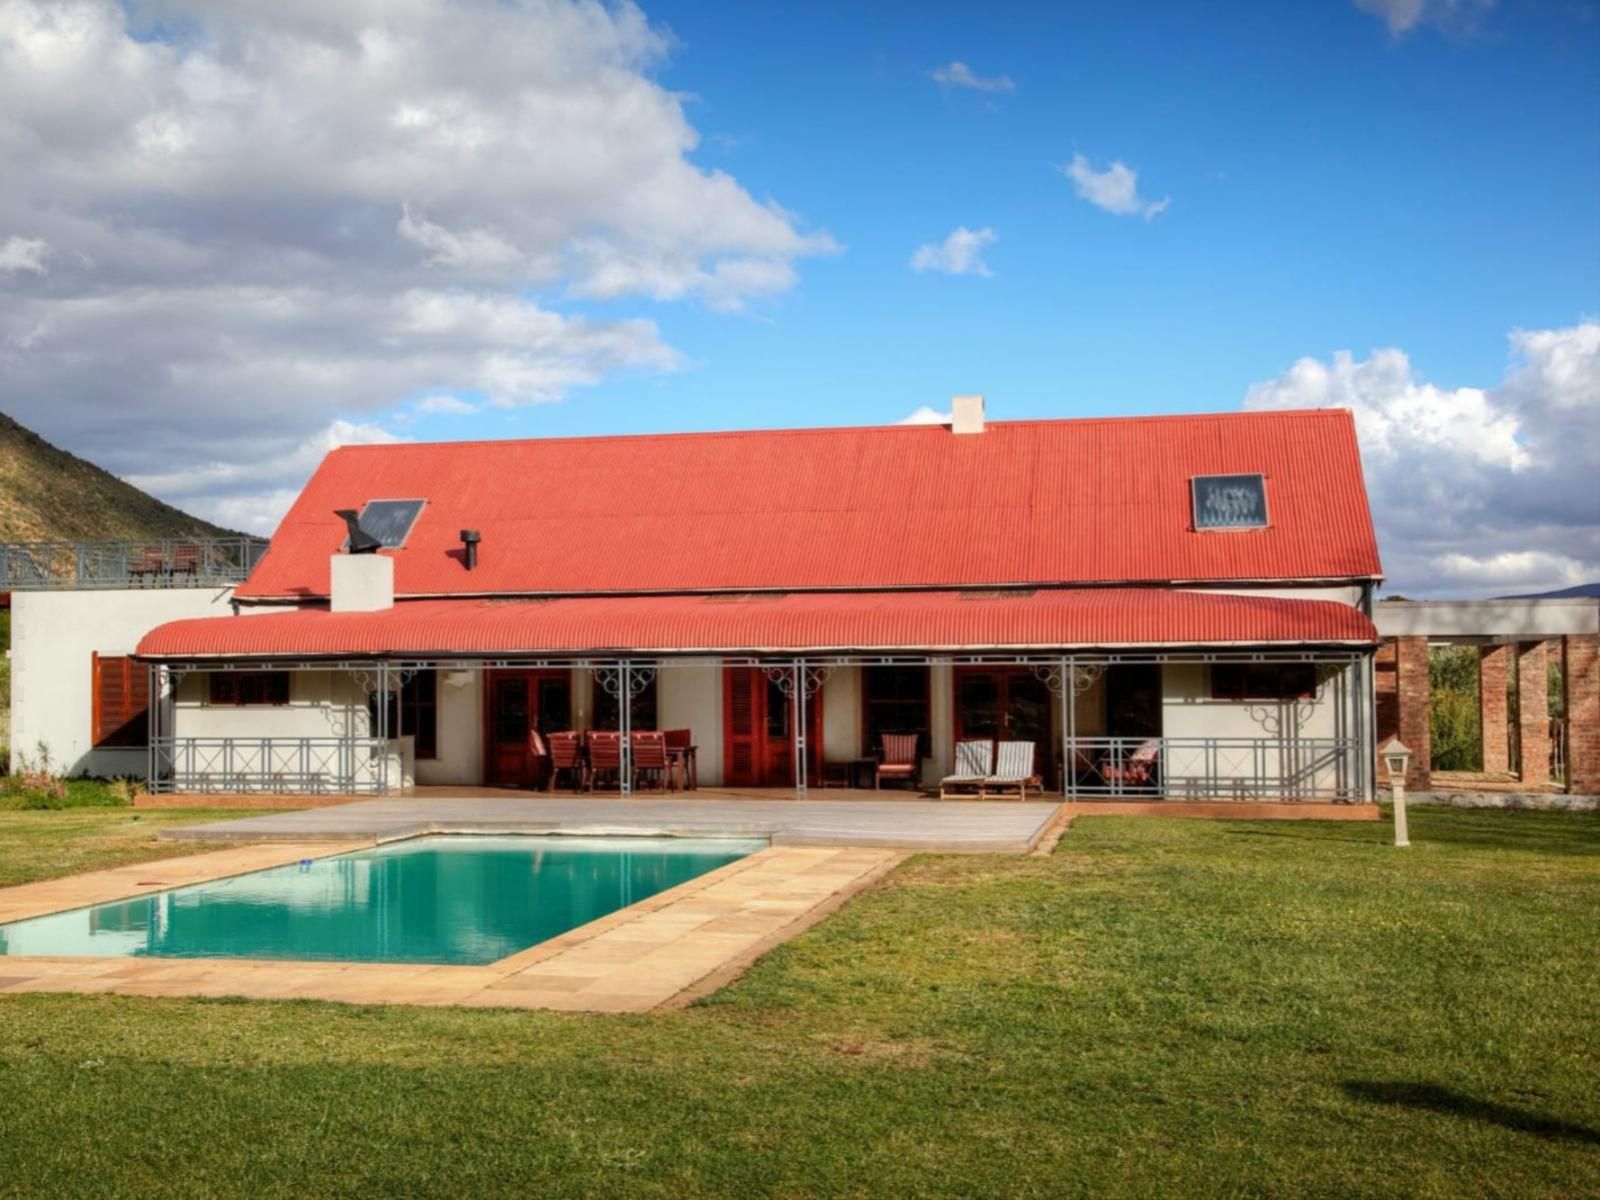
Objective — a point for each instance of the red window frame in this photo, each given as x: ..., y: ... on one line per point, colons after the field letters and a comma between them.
x: 248, y: 689
x: 1263, y: 681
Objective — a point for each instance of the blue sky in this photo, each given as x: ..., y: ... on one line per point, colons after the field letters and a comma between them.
x: 1332, y: 187
x: 234, y: 236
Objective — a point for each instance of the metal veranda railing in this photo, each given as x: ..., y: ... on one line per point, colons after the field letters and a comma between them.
x: 148, y: 563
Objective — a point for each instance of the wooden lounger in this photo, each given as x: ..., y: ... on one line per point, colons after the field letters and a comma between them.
x: 1012, y: 774
x: 974, y: 762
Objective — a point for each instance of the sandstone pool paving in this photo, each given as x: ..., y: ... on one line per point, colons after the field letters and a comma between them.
x: 996, y: 827
x: 638, y: 958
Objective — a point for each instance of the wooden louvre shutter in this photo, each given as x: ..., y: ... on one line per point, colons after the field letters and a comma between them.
x: 740, y: 724
x: 121, y: 691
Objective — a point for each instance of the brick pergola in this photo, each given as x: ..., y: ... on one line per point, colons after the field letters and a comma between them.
x: 1517, y: 640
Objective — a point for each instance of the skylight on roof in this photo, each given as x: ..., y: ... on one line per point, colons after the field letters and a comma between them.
x: 1230, y: 502
x: 390, y: 521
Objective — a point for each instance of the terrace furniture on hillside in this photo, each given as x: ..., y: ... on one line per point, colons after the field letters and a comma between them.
x: 1139, y: 769
x: 1013, y: 772
x: 567, y: 759
x: 146, y: 562
x: 974, y: 761
x: 684, y: 757
x: 605, y: 758
x: 650, y: 763
x: 897, y: 760
x: 186, y: 559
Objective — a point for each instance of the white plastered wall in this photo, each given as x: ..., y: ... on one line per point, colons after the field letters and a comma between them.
x: 689, y: 696
x: 322, y: 705
x: 460, y: 734
x: 54, y: 636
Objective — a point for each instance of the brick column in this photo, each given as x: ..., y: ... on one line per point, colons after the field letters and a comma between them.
x: 1494, y: 666
x: 1415, y: 709
x: 1581, y: 675
x: 1533, y: 707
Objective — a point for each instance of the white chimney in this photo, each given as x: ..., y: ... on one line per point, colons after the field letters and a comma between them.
x: 966, y: 414
x: 362, y: 582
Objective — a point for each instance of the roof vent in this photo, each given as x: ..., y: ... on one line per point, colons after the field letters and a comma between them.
x: 359, y: 541
x: 469, y: 547
x: 966, y: 414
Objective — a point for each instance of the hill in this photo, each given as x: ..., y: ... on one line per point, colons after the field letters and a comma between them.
x: 47, y: 494
x: 1582, y: 591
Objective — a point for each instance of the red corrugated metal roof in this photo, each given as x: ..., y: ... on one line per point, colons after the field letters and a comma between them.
x: 1026, y: 502
x: 1099, y: 617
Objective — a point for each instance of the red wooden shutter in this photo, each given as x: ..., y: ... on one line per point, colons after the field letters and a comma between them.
x: 739, y: 725
x: 121, y: 701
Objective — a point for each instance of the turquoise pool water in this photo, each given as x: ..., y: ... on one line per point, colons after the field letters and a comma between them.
x: 464, y: 900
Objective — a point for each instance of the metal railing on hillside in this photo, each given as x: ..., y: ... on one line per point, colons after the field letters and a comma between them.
x: 150, y: 563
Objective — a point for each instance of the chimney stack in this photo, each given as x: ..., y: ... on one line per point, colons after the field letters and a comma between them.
x: 966, y: 414
x: 361, y: 582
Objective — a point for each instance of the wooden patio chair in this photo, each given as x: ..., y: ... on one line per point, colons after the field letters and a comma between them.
x: 897, y: 760
x: 681, y: 754
x: 974, y: 761
x: 1013, y: 772
x: 566, y: 758
x: 146, y: 562
x: 650, y: 763
x: 1139, y: 769
x: 186, y: 559
x: 605, y: 757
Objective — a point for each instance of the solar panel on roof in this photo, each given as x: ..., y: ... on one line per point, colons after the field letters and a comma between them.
x: 390, y: 521
x: 1230, y: 502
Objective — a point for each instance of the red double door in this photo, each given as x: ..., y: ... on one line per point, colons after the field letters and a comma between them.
x: 758, y: 731
x: 517, y: 703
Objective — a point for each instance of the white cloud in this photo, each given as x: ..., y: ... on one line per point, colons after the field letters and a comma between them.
x: 959, y: 254
x: 261, y: 219
x: 246, y: 495
x: 1116, y: 189
x: 445, y: 405
x: 958, y: 74
x: 925, y: 415
x: 18, y: 254
x: 1476, y: 491
x: 1402, y: 16
x: 475, y: 249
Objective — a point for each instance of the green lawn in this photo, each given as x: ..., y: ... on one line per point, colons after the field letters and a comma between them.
x: 45, y: 845
x: 1160, y: 1008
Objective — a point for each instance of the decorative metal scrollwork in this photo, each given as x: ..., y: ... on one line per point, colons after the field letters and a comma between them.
x: 1055, y: 675
x: 1298, y: 711
x: 610, y: 679
x: 367, y: 679
x: 784, y: 677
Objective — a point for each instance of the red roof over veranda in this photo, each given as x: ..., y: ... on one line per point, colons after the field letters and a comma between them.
x: 773, y: 623
x: 1022, y: 503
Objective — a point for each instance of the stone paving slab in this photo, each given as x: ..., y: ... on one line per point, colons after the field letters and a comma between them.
x: 642, y: 957
x: 139, y: 879
x: 996, y: 827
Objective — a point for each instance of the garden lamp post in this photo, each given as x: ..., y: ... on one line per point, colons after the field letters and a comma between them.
x: 1397, y: 757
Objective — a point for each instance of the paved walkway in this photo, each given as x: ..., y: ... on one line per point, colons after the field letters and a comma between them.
x: 999, y: 827
x: 665, y: 950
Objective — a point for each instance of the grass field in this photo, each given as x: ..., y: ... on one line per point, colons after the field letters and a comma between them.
x: 1160, y: 1008
x: 44, y: 845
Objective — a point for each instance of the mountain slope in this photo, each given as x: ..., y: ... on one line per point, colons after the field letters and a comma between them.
x: 47, y: 494
x: 1582, y: 591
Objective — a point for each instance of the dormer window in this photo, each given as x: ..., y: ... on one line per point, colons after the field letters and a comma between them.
x: 1229, y: 502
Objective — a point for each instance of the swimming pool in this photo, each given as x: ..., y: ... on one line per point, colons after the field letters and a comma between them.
x: 456, y: 900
